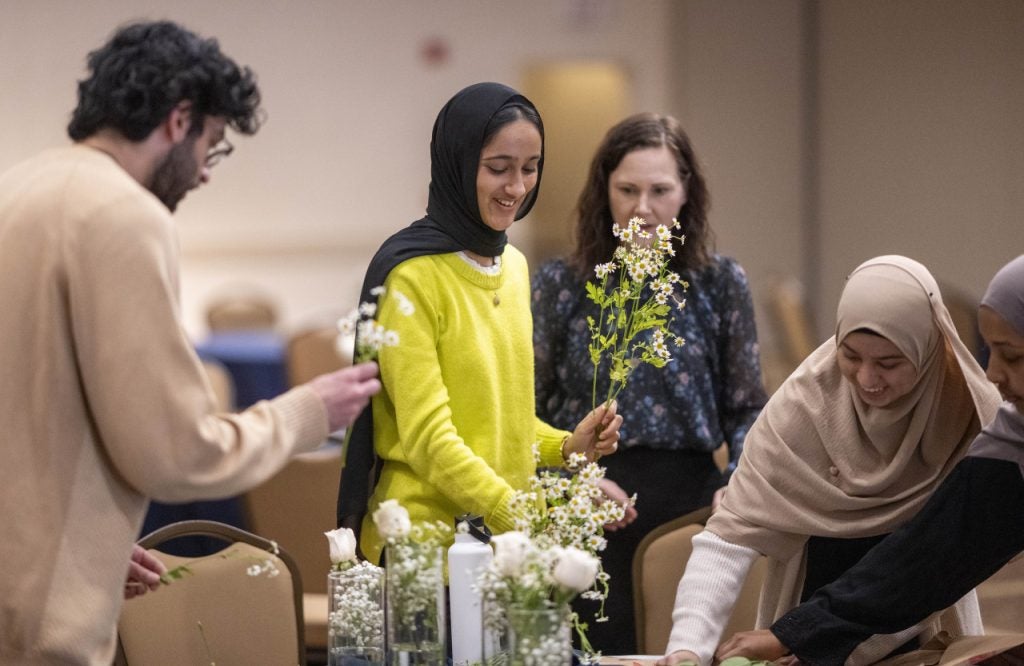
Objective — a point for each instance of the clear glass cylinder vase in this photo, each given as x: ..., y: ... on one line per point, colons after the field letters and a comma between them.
x: 355, y: 621
x: 495, y: 646
x: 539, y: 636
x: 415, y: 605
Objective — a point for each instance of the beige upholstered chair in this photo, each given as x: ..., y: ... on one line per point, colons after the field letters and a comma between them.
x: 1002, y: 599
x: 313, y: 352
x: 241, y: 313
x: 217, y: 613
x: 657, y: 567
x: 296, y: 506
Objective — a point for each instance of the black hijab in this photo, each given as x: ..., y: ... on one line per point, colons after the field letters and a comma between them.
x: 452, y: 223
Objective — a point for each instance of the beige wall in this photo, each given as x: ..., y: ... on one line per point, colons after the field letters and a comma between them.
x: 830, y: 131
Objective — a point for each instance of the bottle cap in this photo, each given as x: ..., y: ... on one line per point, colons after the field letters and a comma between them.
x: 475, y: 527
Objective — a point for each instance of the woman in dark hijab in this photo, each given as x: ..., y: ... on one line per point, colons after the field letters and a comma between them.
x: 452, y: 431
x: 970, y: 528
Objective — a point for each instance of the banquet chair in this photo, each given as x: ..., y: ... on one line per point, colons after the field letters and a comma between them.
x: 307, y: 487
x: 313, y: 352
x: 241, y: 313
x: 658, y: 564
x: 217, y: 611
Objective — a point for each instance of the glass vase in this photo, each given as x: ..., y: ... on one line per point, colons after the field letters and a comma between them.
x: 415, y: 605
x: 355, y: 621
x: 495, y: 647
x: 539, y: 636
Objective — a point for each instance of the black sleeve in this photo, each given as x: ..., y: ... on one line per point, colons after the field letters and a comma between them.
x: 970, y: 528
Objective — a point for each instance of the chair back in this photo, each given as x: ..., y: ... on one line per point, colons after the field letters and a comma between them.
x: 217, y: 612
x: 313, y: 352
x: 307, y: 488
x: 241, y: 313
x: 658, y: 565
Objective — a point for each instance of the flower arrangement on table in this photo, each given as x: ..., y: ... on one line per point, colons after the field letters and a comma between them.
x: 355, y: 621
x: 415, y: 581
x: 552, y: 556
x: 633, y: 291
x: 526, y: 590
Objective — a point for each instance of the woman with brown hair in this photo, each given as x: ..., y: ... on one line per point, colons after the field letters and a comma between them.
x: 708, y: 394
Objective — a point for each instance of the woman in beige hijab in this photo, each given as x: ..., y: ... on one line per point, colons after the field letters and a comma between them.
x: 849, y: 448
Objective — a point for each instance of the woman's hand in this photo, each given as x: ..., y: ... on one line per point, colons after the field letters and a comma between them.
x: 615, y: 493
x: 596, y: 435
x: 754, y: 645
x: 678, y: 657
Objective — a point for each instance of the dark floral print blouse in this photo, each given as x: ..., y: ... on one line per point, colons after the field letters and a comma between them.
x: 710, y: 392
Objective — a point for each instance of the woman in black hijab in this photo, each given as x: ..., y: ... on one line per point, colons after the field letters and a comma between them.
x: 453, y: 430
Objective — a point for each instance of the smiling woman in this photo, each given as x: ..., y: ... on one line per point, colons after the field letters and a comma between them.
x: 508, y: 170
x: 875, y: 367
x: 849, y: 448
x: 976, y: 513
x: 453, y: 430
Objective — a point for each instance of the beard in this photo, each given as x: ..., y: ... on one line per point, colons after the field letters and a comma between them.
x: 176, y: 174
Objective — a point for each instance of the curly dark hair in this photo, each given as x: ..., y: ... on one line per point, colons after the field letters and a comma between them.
x: 147, y: 68
x: 595, y: 243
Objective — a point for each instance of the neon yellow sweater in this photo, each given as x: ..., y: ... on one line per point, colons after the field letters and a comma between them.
x: 455, y: 423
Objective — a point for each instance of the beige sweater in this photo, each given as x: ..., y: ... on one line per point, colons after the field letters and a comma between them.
x: 103, y: 403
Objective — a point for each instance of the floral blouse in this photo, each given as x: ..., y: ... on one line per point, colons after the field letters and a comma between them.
x: 710, y: 392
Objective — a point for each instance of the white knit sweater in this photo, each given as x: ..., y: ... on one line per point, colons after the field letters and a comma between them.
x: 706, y: 595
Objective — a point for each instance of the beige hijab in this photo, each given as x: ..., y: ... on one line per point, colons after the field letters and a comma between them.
x: 820, y: 462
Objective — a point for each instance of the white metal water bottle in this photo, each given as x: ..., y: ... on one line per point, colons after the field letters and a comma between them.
x: 466, y: 558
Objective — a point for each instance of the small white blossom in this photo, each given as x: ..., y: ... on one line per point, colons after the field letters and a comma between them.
x: 392, y: 520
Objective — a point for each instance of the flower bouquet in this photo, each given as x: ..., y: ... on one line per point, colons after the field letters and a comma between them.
x: 526, y: 591
x: 633, y: 292
x: 552, y: 557
x: 415, y: 586
x: 355, y: 621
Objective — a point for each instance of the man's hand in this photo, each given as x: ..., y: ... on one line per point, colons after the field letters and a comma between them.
x: 754, y: 645
x: 596, y: 435
x: 346, y: 392
x: 615, y: 493
x: 144, y: 572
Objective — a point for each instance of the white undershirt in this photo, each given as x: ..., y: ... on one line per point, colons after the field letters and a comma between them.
x: 494, y: 269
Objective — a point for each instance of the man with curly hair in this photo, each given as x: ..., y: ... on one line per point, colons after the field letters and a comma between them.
x: 103, y: 402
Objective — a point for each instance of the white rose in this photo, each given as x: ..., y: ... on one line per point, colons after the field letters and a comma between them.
x: 343, y: 545
x: 510, y: 551
x: 575, y: 569
x: 392, y: 520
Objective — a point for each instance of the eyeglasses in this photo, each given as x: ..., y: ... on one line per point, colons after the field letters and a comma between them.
x: 218, y: 152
